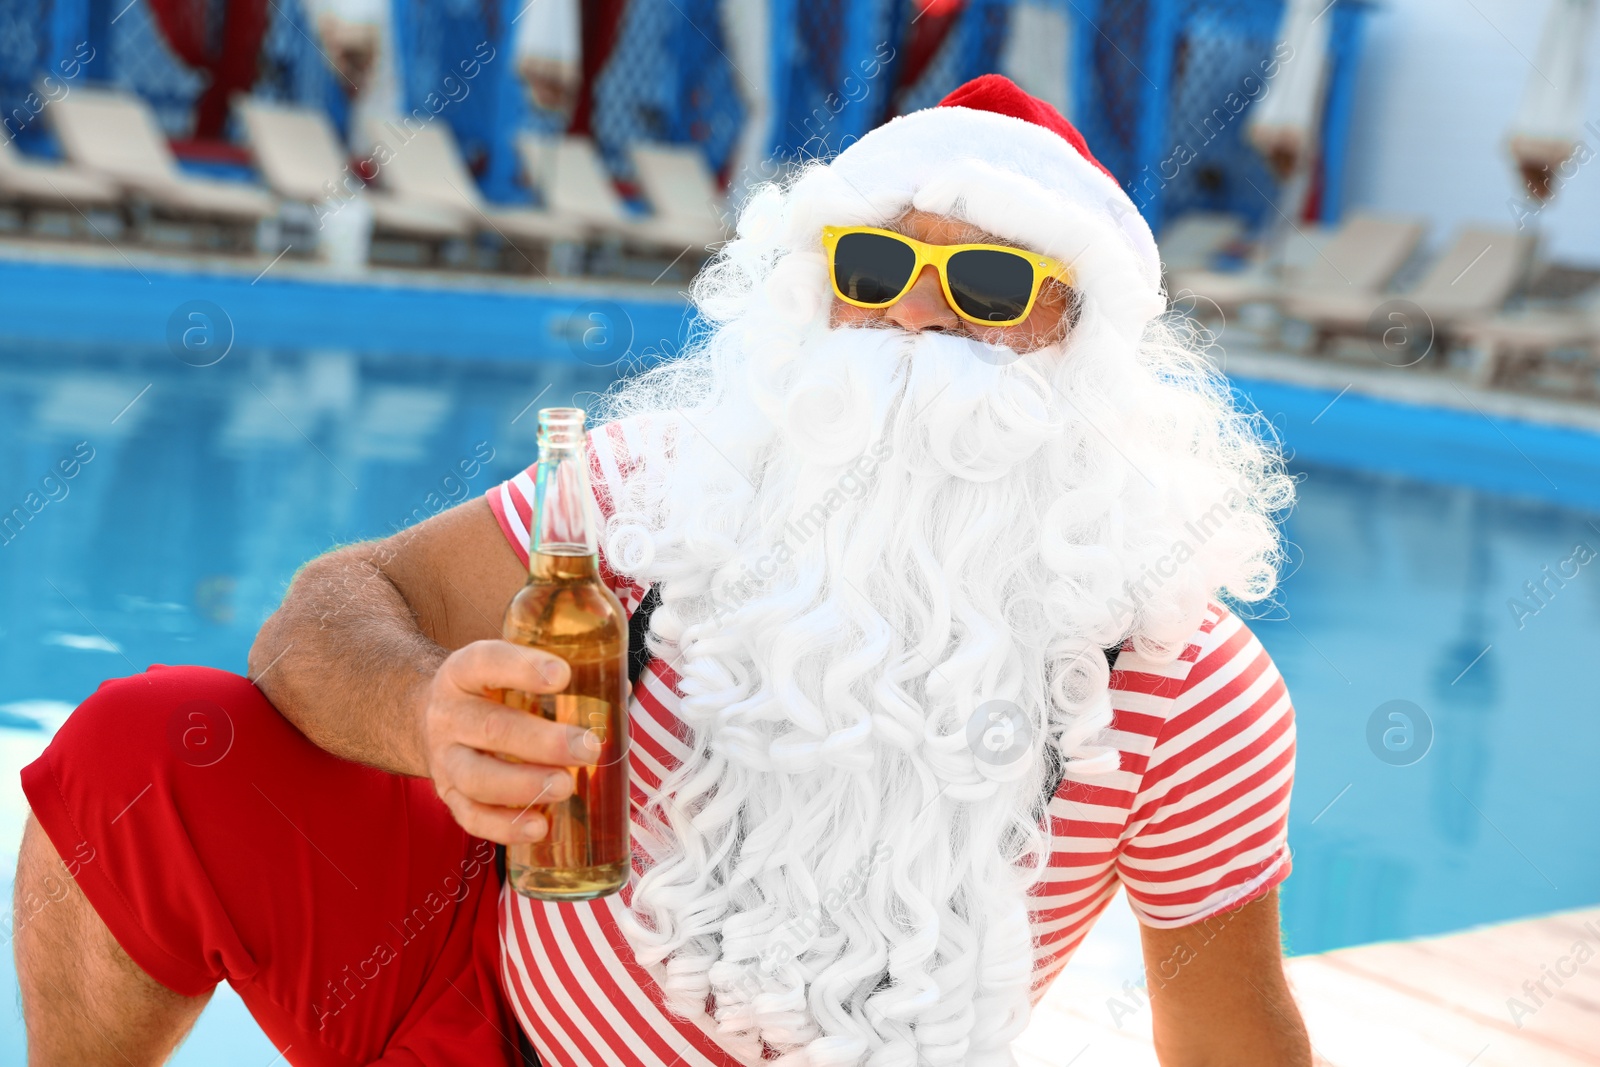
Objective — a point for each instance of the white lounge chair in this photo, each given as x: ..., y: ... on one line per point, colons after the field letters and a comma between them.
x: 424, y: 166
x: 681, y: 188
x: 575, y: 184
x: 302, y: 159
x: 1190, y: 241
x: 34, y: 185
x: 116, y: 136
x: 1516, y: 346
x: 1357, y: 258
x: 1471, y: 279
x: 1189, y: 244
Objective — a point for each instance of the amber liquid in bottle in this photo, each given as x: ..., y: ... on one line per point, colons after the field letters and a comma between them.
x: 567, y: 611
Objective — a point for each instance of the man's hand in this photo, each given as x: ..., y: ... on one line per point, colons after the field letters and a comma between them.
x: 388, y: 653
x: 465, y: 734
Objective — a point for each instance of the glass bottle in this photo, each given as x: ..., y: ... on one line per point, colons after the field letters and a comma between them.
x: 566, y: 610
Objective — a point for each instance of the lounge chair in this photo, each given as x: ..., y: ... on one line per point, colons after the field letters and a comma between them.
x: 1472, y: 278
x: 575, y: 183
x: 1513, y: 346
x: 1361, y: 256
x: 425, y: 166
x: 302, y: 159
x: 681, y: 188
x: 116, y: 136
x: 1189, y: 247
x: 1191, y: 241
x: 34, y: 185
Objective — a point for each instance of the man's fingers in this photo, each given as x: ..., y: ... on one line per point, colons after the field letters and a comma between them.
x: 502, y: 665
x: 489, y: 726
x: 493, y: 781
x: 505, y: 826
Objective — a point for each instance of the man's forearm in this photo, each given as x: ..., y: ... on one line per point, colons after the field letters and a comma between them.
x: 344, y: 660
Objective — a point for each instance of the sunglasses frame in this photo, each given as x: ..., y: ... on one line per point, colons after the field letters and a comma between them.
x: 938, y: 257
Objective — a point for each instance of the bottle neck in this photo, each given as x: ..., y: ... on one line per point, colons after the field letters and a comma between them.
x: 563, y: 539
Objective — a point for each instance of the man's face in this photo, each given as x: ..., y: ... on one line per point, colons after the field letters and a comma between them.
x: 925, y: 308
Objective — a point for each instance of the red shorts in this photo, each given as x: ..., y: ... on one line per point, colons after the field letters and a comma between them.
x: 353, y: 916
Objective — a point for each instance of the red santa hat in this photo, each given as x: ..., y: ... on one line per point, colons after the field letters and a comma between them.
x: 1012, y: 165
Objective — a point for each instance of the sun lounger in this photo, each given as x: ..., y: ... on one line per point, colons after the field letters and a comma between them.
x: 1472, y: 278
x: 1360, y: 257
x: 299, y: 154
x: 116, y: 136
x: 1196, y: 287
x: 36, y: 185
x: 1190, y: 242
x: 1516, y: 345
x: 37, y: 182
x: 1207, y: 294
x: 680, y: 187
x: 425, y: 166
x: 569, y: 173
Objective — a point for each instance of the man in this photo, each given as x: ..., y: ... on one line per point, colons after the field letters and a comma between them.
x: 937, y: 667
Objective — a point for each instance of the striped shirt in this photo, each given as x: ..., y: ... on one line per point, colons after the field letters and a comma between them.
x: 1193, y: 823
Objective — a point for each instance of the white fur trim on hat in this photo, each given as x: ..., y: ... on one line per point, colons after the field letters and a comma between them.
x: 1015, y: 179
x: 924, y: 141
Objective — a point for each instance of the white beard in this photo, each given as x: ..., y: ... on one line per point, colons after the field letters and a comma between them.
x: 888, y: 567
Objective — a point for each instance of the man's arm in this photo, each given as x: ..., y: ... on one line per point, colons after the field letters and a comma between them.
x: 1218, y: 992
x: 383, y: 653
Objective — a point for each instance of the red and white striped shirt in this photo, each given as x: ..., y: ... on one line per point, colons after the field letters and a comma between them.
x: 1192, y: 824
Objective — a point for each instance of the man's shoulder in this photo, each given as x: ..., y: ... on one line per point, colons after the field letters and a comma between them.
x: 618, y: 448
x: 1223, y: 638
x: 614, y: 451
x: 1218, y: 675
x: 1165, y: 673
x: 634, y: 435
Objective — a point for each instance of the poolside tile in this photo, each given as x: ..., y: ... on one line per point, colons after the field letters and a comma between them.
x: 1434, y: 1002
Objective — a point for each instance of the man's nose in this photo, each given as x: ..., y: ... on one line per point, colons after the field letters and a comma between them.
x: 924, y: 307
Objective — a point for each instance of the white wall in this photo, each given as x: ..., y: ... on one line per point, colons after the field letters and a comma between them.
x: 1439, y: 84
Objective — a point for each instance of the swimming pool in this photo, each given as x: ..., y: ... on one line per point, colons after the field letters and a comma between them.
x: 1413, y: 600
x: 198, y: 490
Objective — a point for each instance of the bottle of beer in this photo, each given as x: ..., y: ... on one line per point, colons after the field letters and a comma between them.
x: 567, y: 611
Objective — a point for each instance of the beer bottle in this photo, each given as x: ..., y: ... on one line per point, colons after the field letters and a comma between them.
x: 567, y: 611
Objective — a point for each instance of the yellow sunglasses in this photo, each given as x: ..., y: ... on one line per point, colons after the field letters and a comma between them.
x: 990, y: 285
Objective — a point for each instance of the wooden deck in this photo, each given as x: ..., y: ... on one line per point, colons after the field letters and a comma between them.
x: 1453, y: 1001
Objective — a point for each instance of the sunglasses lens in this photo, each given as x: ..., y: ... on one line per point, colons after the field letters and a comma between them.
x: 989, y: 285
x: 872, y: 268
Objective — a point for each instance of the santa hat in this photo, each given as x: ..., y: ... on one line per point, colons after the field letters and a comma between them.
x: 1010, y: 164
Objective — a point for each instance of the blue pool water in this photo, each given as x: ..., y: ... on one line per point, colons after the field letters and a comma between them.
x: 209, y: 486
x: 1418, y: 593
